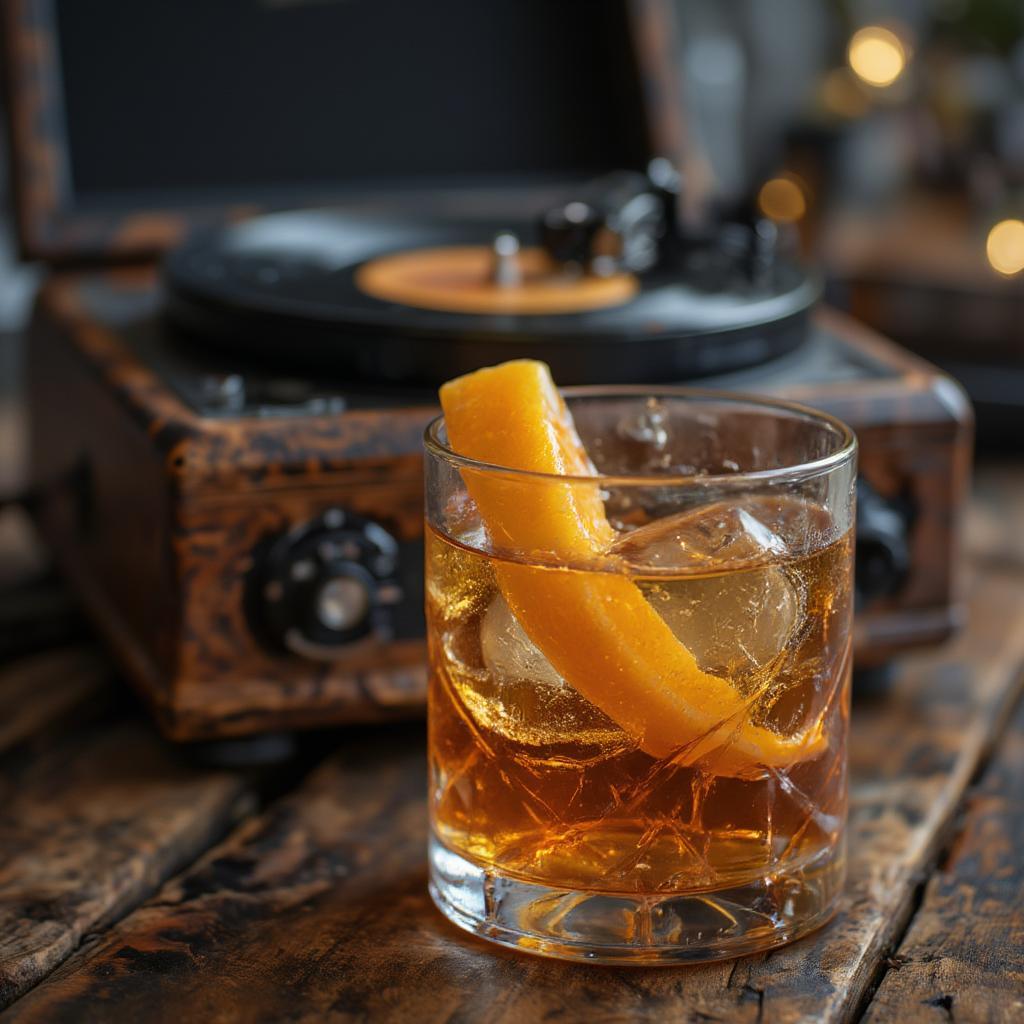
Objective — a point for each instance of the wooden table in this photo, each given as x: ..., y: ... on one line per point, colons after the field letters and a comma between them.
x: 137, y: 886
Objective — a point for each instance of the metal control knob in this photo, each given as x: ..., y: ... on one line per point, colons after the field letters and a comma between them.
x: 326, y: 584
x: 614, y: 223
x: 883, y: 545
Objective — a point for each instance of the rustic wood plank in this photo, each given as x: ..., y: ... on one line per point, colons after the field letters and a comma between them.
x: 963, y: 957
x: 42, y: 693
x: 91, y: 826
x: 318, y: 910
x: 996, y: 512
x: 21, y: 553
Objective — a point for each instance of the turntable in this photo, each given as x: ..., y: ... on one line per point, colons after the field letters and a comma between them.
x: 604, y: 285
x: 228, y: 441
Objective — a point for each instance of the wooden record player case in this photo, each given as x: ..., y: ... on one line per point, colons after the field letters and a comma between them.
x: 160, y: 514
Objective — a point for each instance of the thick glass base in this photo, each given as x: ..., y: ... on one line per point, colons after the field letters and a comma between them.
x: 644, y: 930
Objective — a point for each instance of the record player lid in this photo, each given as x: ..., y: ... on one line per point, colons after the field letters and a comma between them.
x: 134, y: 123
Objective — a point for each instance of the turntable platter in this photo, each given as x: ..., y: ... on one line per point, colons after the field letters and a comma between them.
x: 306, y: 289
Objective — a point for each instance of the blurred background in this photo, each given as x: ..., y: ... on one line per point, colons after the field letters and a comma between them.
x: 889, y: 136
x: 892, y: 135
x: 885, y: 142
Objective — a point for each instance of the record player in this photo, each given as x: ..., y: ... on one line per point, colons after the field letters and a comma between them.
x: 231, y: 368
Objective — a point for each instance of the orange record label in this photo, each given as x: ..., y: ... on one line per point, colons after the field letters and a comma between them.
x: 458, y: 279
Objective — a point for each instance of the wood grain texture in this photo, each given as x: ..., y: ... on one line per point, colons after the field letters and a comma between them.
x: 90, y: 827
x: 915, y: 432
x: 963, y: 957
x: 41, y: 693
x: 995, y: 515
x: 161, y: 535
x: 178, y: 504
x: 318, y: 910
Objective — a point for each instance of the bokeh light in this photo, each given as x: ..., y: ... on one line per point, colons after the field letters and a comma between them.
x: 783, y: 199
x: 842, y: 94
x: 1005, y: 247
x: 876, y: 55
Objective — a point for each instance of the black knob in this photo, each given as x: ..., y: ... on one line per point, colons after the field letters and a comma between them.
x: 613, y: 223
x: 883, y: 547
x: 568, y: 233
x: 326, y: 584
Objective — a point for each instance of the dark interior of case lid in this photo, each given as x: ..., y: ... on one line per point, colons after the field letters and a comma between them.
x: 386, y: 93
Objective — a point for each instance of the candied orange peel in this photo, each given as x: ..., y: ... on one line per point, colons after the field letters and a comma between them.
x: 596, y: 628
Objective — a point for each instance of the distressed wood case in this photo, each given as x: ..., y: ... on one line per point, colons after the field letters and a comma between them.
x: 158, y: 514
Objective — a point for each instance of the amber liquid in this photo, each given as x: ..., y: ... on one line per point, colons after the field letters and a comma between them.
x: 530, y: 780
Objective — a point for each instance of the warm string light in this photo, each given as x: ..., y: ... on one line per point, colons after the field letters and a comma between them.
x: 1005, y: 247
x: 876, y: 55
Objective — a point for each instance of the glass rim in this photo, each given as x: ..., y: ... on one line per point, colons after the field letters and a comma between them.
x: 845, y: 452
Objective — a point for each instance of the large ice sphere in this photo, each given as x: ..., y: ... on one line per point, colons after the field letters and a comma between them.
x: 521, y: 697
x: 717, y: 576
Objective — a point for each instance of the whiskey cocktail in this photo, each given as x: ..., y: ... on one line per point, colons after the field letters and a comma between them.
x: 639, y: 608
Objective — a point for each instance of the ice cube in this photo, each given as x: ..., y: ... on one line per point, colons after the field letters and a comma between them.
x: 649, y: 426
x: 509, y: 654
x: 519, y: 695
x: 732, y: 604
x: 642, y: 440
x: 715, y: 536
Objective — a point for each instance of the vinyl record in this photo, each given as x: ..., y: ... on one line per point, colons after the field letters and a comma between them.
x: 298, y: 289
